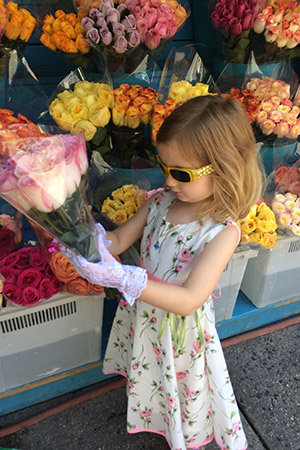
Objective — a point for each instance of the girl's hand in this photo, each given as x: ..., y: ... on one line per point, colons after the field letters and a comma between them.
x: 129, y: 280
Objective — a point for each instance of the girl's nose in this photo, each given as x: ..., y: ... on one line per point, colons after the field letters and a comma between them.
x: 170, y: 181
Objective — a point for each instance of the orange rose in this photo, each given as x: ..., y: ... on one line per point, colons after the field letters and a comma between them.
x: 97, y: 289
x: 3, y: 17
x: 62, y: 268
x: 47, y: 41
x: 81, y: 44
x: 78, y: 286
x: 67, y: 28
x: 59, y: 14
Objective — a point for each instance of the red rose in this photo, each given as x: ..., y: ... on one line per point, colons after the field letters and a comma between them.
x: 8, y: 274
x: 10, y: 260
x: 12, y: 292
x: 30, y: 296
x: 47, y: 288
x: 7, y: 242
x: 47, y: 273
x: 29, y: 277
x: 37, y: 261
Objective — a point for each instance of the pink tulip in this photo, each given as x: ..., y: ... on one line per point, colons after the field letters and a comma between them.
x: 236, y: 28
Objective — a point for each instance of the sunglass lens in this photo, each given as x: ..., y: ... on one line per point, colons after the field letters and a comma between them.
x: 180, y: 175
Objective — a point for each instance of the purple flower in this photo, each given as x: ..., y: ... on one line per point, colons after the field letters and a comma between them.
x: 105, y: 5
x: 121, y: 7
x: 95, y: 13
x: 87, y: 24
x: 131, y: 4
x: 106, y: 36
x: 118, y: 29
x: 134, y: 39
x: 120, y: 44
x: 113, y: 15
x: 129, y: 23
x: 93, y: 35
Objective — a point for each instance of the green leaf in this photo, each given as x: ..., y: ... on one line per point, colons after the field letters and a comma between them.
x: 100, y: 135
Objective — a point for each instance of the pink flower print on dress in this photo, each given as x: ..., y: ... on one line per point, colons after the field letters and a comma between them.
x: 179, y: 268
x: 157, y: 351
x: 131, y: 331
x: 146, y: 413
x: 148, y: 246
x: 171, y: 402
x: 207, y: 337
x: 180, y: 375
x: 134, y: 366
x: 235, y: 428
x: 180, y: 239
x: 184, y: 256
x: 166, y: 419
x: 159, y: 197
x: 197, y: 346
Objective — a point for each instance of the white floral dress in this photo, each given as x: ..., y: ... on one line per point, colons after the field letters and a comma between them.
x: 187, y: 396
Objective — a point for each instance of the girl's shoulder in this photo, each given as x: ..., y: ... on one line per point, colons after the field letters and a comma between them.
x: 210, y: 228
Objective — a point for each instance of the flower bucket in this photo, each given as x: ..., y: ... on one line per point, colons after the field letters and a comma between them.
x: 239, y: 69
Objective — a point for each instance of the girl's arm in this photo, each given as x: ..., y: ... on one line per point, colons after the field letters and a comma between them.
x: 201, y: 282
x: 128, y: 233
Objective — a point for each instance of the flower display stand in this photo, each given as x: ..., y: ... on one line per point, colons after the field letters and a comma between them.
x: 274, y: 156
x: 230, y: 282
x: 57, y: 335
x: 274, y: 274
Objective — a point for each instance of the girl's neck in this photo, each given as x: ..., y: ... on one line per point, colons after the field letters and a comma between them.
x: 182, y: 212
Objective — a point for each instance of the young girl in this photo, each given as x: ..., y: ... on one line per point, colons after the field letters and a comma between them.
x: 163, y: 339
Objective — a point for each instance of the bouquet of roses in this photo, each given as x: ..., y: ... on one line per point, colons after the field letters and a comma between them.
x: 259, y: 227
x: 125, y: 32
x: 14, y: 128
x: 287, y: 211
x: 280, y: 23
x: 16, y: 25
x: 28, y: 277
x: 277, y: 114
x: 235, y: 20
x: 45, y: 178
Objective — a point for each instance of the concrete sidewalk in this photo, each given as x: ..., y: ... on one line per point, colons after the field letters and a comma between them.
x: 265, y: 374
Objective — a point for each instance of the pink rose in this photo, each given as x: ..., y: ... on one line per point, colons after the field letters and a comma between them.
x: 129, y: 23
x: 12, y: 292
x: 131, y: 4
x: 157, y: 351
x: 150, y: 15
x: 207, y: 337
x: 152, y: 39
x: 145, y: 413
x: 37, y: 261
x: 10, y: 260
x: 162, y: 28
x: 171, y: 402
x: 235, y: 428
x: 172, y: 28
x: 165, y: 11
x: 180, y: 375
x: 30, y: 296
x: 142, y: 27
x: 29, y: 277
x: 197, y: 346
x: 179, y: 268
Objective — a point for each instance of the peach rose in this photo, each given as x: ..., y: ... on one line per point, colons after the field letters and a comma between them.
x: 78, y: 286
x: 62, y: 268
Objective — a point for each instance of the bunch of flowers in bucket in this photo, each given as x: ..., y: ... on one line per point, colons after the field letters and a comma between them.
x: 277, y: 114
x: 280, y: 23
x: 14, y: 128
x: 259, y: 227
x: 248, y: 99
x: 286, y: 199
x: 83, y: 108
x: 234, y: 21
x: 46, y: 179
x: 119, y: 28
x: 10, y: 233
x: 123, y: 203
x: 16, y: 25
x: 28, y: 277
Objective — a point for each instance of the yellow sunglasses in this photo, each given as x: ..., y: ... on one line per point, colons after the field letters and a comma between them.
x: 184, y: 175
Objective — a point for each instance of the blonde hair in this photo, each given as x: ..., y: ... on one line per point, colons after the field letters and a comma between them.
x: 215, y: 130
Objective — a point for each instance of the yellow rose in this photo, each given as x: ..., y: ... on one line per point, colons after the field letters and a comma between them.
x: 119, y: 217
x: 145, y: 113
x: 79, y: 111
x: 296, y: 214
x: 256, y: 237
x: 56, y: 106
x: 99, y: 87
x: 290, y: 197
x: 267, y: 226
x: 245, y: 238
x: 83, y: 128
x: 129, y: 196
x: 290, y: 205
x: 128, y: 187
x: 285, y: 220
x: 132, y: 116
x: 252, y: 212
x: 69, y: 103
x: 277, y: 207
x: 85, y: 85
x: 82, y: 93
x: 65, y: 95
x: 130, y: 207
x: 99, y: 115
x: 140, y: 197
x: 63, y: 119
x: 118, y: 194
x: 268, y: 240
x: 90, y: 100
x: 118, y: 115
x: 107, y: 98
x: 248, y: 226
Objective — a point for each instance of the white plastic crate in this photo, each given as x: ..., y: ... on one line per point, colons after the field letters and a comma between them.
x: 60, y: 334
x: 275, y: 274
x: 230, y: 282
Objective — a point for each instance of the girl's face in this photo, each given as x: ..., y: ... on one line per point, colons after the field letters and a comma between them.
x: 194, y: 192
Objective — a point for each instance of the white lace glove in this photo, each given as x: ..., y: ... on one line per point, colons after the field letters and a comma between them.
x: 129, y: 280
